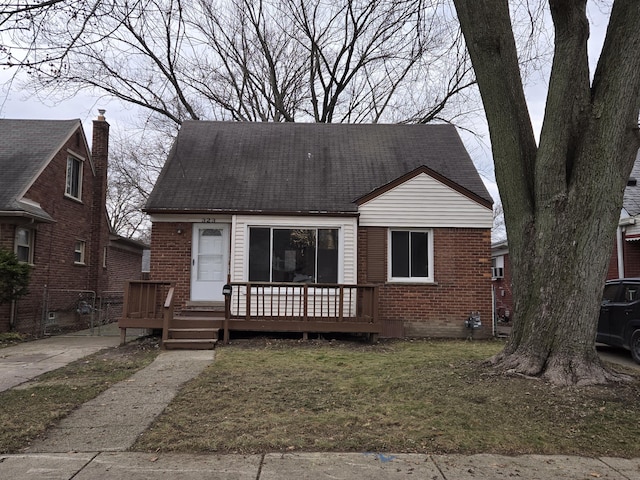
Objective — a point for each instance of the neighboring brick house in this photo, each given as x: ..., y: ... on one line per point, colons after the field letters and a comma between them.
x: 625, y: 259
x: 399, y: 206
x: 53, y: 216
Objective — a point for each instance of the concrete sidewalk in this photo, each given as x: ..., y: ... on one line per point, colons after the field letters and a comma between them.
x: 297, y: 466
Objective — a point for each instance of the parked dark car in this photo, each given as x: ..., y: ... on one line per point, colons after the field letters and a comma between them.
x: 619, y: 323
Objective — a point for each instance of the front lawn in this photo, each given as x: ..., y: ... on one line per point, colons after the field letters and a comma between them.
x: 266, y: 395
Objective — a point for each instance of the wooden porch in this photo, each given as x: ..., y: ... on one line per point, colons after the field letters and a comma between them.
x: 263, y: 307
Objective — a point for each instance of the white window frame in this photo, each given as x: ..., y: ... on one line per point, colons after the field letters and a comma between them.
x: 273, y: 227
x: 70, y: 181
x: 80, y: 248
x: 29, y: 245
x: 497, y: 267
x: 427, y: 279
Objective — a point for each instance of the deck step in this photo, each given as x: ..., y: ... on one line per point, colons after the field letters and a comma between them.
x: 194, y: 329
x: 197, y: 322
x: 197, y: 318
x: 190, y: 343
x: 194, y: 333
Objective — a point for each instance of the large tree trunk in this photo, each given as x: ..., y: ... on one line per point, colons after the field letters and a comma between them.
x: 561, y: 198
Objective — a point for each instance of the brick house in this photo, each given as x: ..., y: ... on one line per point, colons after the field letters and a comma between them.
x: 400, y: 207
x: 625, y: 259
x: 53, y: 216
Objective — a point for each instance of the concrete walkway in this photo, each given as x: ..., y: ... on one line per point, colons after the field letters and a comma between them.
x: 92, y: 443
x: 113, y: 420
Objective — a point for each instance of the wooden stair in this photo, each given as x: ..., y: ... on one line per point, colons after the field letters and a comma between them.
x: 196, y: 329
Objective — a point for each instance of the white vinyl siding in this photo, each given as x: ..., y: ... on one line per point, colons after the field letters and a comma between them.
x: 424, y: 202
x: 347, y: 238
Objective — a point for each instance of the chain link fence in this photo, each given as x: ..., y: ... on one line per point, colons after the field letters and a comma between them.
x: 67, y: 310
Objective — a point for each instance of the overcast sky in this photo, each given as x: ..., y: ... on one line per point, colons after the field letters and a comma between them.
x: 16, y: 104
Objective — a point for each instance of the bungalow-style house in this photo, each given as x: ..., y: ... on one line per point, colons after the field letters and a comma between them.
x: 53, y: 216
x: 381, y: 229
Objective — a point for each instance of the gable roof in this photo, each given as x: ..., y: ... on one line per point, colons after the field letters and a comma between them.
x: 26, y: 148
x: 631, y: 202
x: 302, y: 167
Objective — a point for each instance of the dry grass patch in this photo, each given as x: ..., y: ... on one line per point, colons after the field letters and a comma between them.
x: 28, y: 410
x: 401, y: 396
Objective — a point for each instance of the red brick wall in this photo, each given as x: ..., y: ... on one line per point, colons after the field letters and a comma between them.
x: 462, y: 273
x: 631, y: 251
x: 632, y: 258
x: 171, y: 257
x: 99, y: 226
x: 612, y: 272
x: 123, y: 265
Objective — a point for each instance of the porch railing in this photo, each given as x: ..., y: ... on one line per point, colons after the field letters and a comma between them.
x: 147, y: 304
x: 304, y: 302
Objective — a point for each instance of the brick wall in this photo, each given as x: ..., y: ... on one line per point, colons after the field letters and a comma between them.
x: 171, y: 257
x: 462, y: 273
x: 631, y: 252
x: 99, y: 225
x: 123, y: 265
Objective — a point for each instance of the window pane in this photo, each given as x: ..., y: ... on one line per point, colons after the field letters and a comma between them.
x: 400, y: 254
x: 419, y: 256
x: 23, y: 244
x: 78, y: 255
x: 210, y: 255
x: 259, y: 254
x: 73, y: 177
x: 327, y: 256
x: 611, y: 292
x: 23, y: 254
x: 294, y: 255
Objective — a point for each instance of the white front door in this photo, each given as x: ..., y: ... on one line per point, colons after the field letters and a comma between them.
x: 209, y: 261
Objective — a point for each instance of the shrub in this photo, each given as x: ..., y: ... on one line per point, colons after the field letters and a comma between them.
x: 14, y: 276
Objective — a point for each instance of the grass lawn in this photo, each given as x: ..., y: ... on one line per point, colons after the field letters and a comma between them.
x: 265, y: 395
x: 28, y: 410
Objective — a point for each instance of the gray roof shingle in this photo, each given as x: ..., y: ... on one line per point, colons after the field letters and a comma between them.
x: 301, y: 167
x: 26, y: 146
x: 631, y: 200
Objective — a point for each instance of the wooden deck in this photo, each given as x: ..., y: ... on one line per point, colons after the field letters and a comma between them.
x: 265, y: 307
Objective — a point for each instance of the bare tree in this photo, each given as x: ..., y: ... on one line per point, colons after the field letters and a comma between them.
x: 562, y: 196
x: 264, y: 60
x: 135, y: 162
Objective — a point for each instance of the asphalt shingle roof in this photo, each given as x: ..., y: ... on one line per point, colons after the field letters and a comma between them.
x: 631, y: 200
x: 301, y: 167
x: 26, y: 146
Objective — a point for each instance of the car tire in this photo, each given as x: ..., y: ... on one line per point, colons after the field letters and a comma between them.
x: 634, y: 344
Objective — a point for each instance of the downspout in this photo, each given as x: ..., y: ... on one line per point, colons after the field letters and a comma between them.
x: 12, y: 316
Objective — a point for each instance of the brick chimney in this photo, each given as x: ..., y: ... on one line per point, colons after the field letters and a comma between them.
x: 100, y: 225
